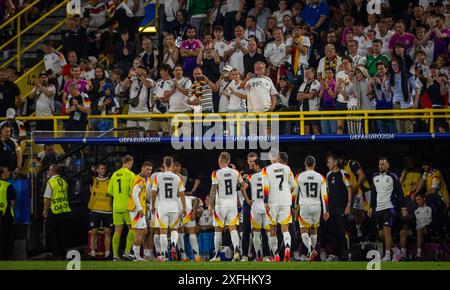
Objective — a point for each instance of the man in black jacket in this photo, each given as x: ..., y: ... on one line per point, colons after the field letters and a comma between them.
x: 74, y: 39
x: 386, y: 196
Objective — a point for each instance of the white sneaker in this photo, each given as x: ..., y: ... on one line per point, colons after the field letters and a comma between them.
x: 332, y: 258
x: 386, y: 259
x: 323, y: 256
x: 236, y: 257
x: 303, y: 258
x: 138, y: 259
x: 396, y: 255
x: 215, y: 259
x: 266, y: 259
x: 244, y: 259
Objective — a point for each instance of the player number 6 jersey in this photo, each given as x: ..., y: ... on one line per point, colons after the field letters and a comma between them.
x: 168, y: 185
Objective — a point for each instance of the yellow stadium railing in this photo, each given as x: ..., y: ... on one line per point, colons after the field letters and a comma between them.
x: 20, y: 31
x: 429, y: 115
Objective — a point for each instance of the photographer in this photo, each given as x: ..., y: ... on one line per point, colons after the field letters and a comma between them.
x: 78, y: 106
x: 43, y: 94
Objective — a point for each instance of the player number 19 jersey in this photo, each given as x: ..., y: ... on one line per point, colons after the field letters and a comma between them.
x: 313, y: 188
x: 226, y: 180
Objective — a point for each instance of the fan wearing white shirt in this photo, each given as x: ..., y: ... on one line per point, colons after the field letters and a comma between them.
x: 353, y: 51
x: 308, y: 96
x: 384, y: 35
x: 423, y: 216
x: 279, y: 14
x: 252, y: 29
x: 236, y: 49
x: 275, y: 53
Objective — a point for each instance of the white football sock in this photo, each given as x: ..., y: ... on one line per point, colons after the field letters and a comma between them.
x: 194, y: 243
x: 307, y: 241
x: 273, y: 244
x: 181, y: 243
x: 137, y: 251
x: 313, y: 241
x: 235, y: 240
x: 157, y: 242
x: 174, y: 238
x: 217, y: 242
x: 164, y: 244
x: 287, y: 239
x: 257, y: 244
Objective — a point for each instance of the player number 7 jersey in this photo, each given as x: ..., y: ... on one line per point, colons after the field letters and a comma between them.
x: 278, y: 181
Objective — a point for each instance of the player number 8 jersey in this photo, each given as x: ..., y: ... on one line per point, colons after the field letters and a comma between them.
x: 226, y: 180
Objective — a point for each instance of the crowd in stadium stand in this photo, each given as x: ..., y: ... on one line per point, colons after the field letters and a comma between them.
x: 318, y: 55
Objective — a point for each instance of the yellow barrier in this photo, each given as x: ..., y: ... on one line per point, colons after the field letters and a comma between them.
x: 301, y: 117
x: 20, y: 32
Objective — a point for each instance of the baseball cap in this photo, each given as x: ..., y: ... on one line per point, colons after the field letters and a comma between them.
x: 228, y: 68
x: 10, y: 113
x: 43, y: 73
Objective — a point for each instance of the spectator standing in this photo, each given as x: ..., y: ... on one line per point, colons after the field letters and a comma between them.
x: 201, y: 94
x: 139, y: 99
x: 72, y: 59
x: 107, y: 104
x: 252, y: 30
x: 400, y: 35
x: 279, y: 14
x: 437, y: 90
x: 198, y: 10
x: 339, y: 206
x: 7, y: 202
x: 268, y: 30
x: 404, y: 59
x: 54, y: 61
x: 225, y: 83
x: 209, y: 61
x: 359, y: 11
x: 123, y: 16
x: 97, y: 11
x: 260, y: 90
x: 171, y: 54
x: 299, y: 52
x: 233, y: 17
x: 10, y: 151
x: 328, y: 96
x: 171, y: 7
x: 375, y: 57
x: 357, y: 58
x: 181, y: 27
x: 74, y: 39
x: 78, y: 106
x: 440, y: 34
x: 308, y: 96
x: 178, y: 101
x: 216, y: 15
x: 384, y: 35
x: 125, y: 51
x: 149, y: 56
x: 18, y: 128
x: 252, y: 56
x: 43, y: 94
x: 160, y: 98
x: 405, y: 94
x: 261, y: 13
x: 275, y: 53
x: 344, y: 89
x: 237, y: 48
x: 82, y: 85
x: 189, y: 51
x: 56, y: 210
x: 372, y: 21
x: 9, y: 94
x: 380, y: 94
x: 330, y: 60
x: 219, y: 44
x: 316, y: 14
x: 427, y: 46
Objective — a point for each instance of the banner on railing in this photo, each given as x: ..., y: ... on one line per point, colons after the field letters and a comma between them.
x: 26, y: 82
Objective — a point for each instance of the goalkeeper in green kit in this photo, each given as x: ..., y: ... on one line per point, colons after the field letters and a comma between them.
x: 120, y: 188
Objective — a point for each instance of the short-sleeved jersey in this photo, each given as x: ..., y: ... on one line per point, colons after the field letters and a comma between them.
x: 149, y: 197
x: 168, y: 185
x: 433, y: 180
x: 226, y: 180
x: 256, y: 186
x: 312, y: 189
x: 278, y: 182
x: 410, y: 182
x: 189, y: 203
x: 120, y: 188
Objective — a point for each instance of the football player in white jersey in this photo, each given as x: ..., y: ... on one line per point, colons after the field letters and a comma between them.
x: 278, y: 185
x: 138, y: 208
x: 258, y: 216
x: 168, y: 186
x: 312, y: 190
x: 194, y: 207
x: 224, y: 203
x: 152, y: 238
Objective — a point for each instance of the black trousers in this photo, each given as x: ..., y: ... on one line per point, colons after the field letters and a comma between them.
x: 55, y: 235
x: 336, y: 227
x: 246, y: 228
x: 6, y: 237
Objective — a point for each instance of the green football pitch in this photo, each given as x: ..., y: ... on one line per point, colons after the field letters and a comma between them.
x: 152, y: 265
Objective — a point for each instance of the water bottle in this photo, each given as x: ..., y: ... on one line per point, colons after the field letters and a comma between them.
x: 78, y: 165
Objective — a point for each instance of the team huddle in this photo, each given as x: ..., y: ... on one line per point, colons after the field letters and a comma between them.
x: 155, y: 205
